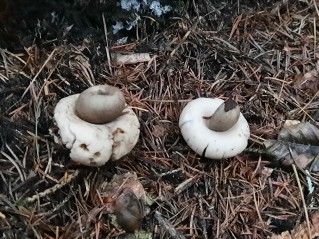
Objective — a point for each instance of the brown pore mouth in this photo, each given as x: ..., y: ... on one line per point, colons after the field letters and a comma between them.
x: 104, y: 92
x: 229, y: 105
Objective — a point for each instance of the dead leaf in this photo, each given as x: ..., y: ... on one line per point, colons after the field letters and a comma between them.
x: 297, y: 144
x: 108, y: 192
x: 301, y: 230
x: 288, y: 153
x: 302, y: 133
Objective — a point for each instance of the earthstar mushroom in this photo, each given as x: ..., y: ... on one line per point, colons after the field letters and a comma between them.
x: 110, y: 132
x: 100, y: 104
x: 214, y: 127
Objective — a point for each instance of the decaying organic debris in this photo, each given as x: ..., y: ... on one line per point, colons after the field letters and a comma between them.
x: 297, y: 144
x: 125, y: 197
x: 302, y: 231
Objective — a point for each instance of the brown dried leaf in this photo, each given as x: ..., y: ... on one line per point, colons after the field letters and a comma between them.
x: 301, y: 231
x: 302, y: 133
x: 129, y: 210
x: 108, y: 192
x: 125, y: 197
x: 288, y: 153
x: 297, y: 144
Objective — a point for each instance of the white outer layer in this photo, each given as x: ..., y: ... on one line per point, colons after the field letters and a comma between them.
x: 198, y: 136
x: 102, y: 141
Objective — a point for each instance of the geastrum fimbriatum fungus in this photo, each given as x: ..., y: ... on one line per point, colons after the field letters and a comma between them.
x: 97, y: 125
x: 214, y: 128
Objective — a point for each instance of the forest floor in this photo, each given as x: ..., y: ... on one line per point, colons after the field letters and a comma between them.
x: 263, y: 54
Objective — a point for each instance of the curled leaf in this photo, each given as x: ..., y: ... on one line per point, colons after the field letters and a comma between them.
x: 129, y: 210
x: 302, y: 230
x: 288, y: 153
x: 125, y: 197
x: 297, y: 144
x: 302, y: 133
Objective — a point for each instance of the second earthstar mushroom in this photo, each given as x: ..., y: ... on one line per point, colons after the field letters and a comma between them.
x: 214, y: 127
x: 96, y: 125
